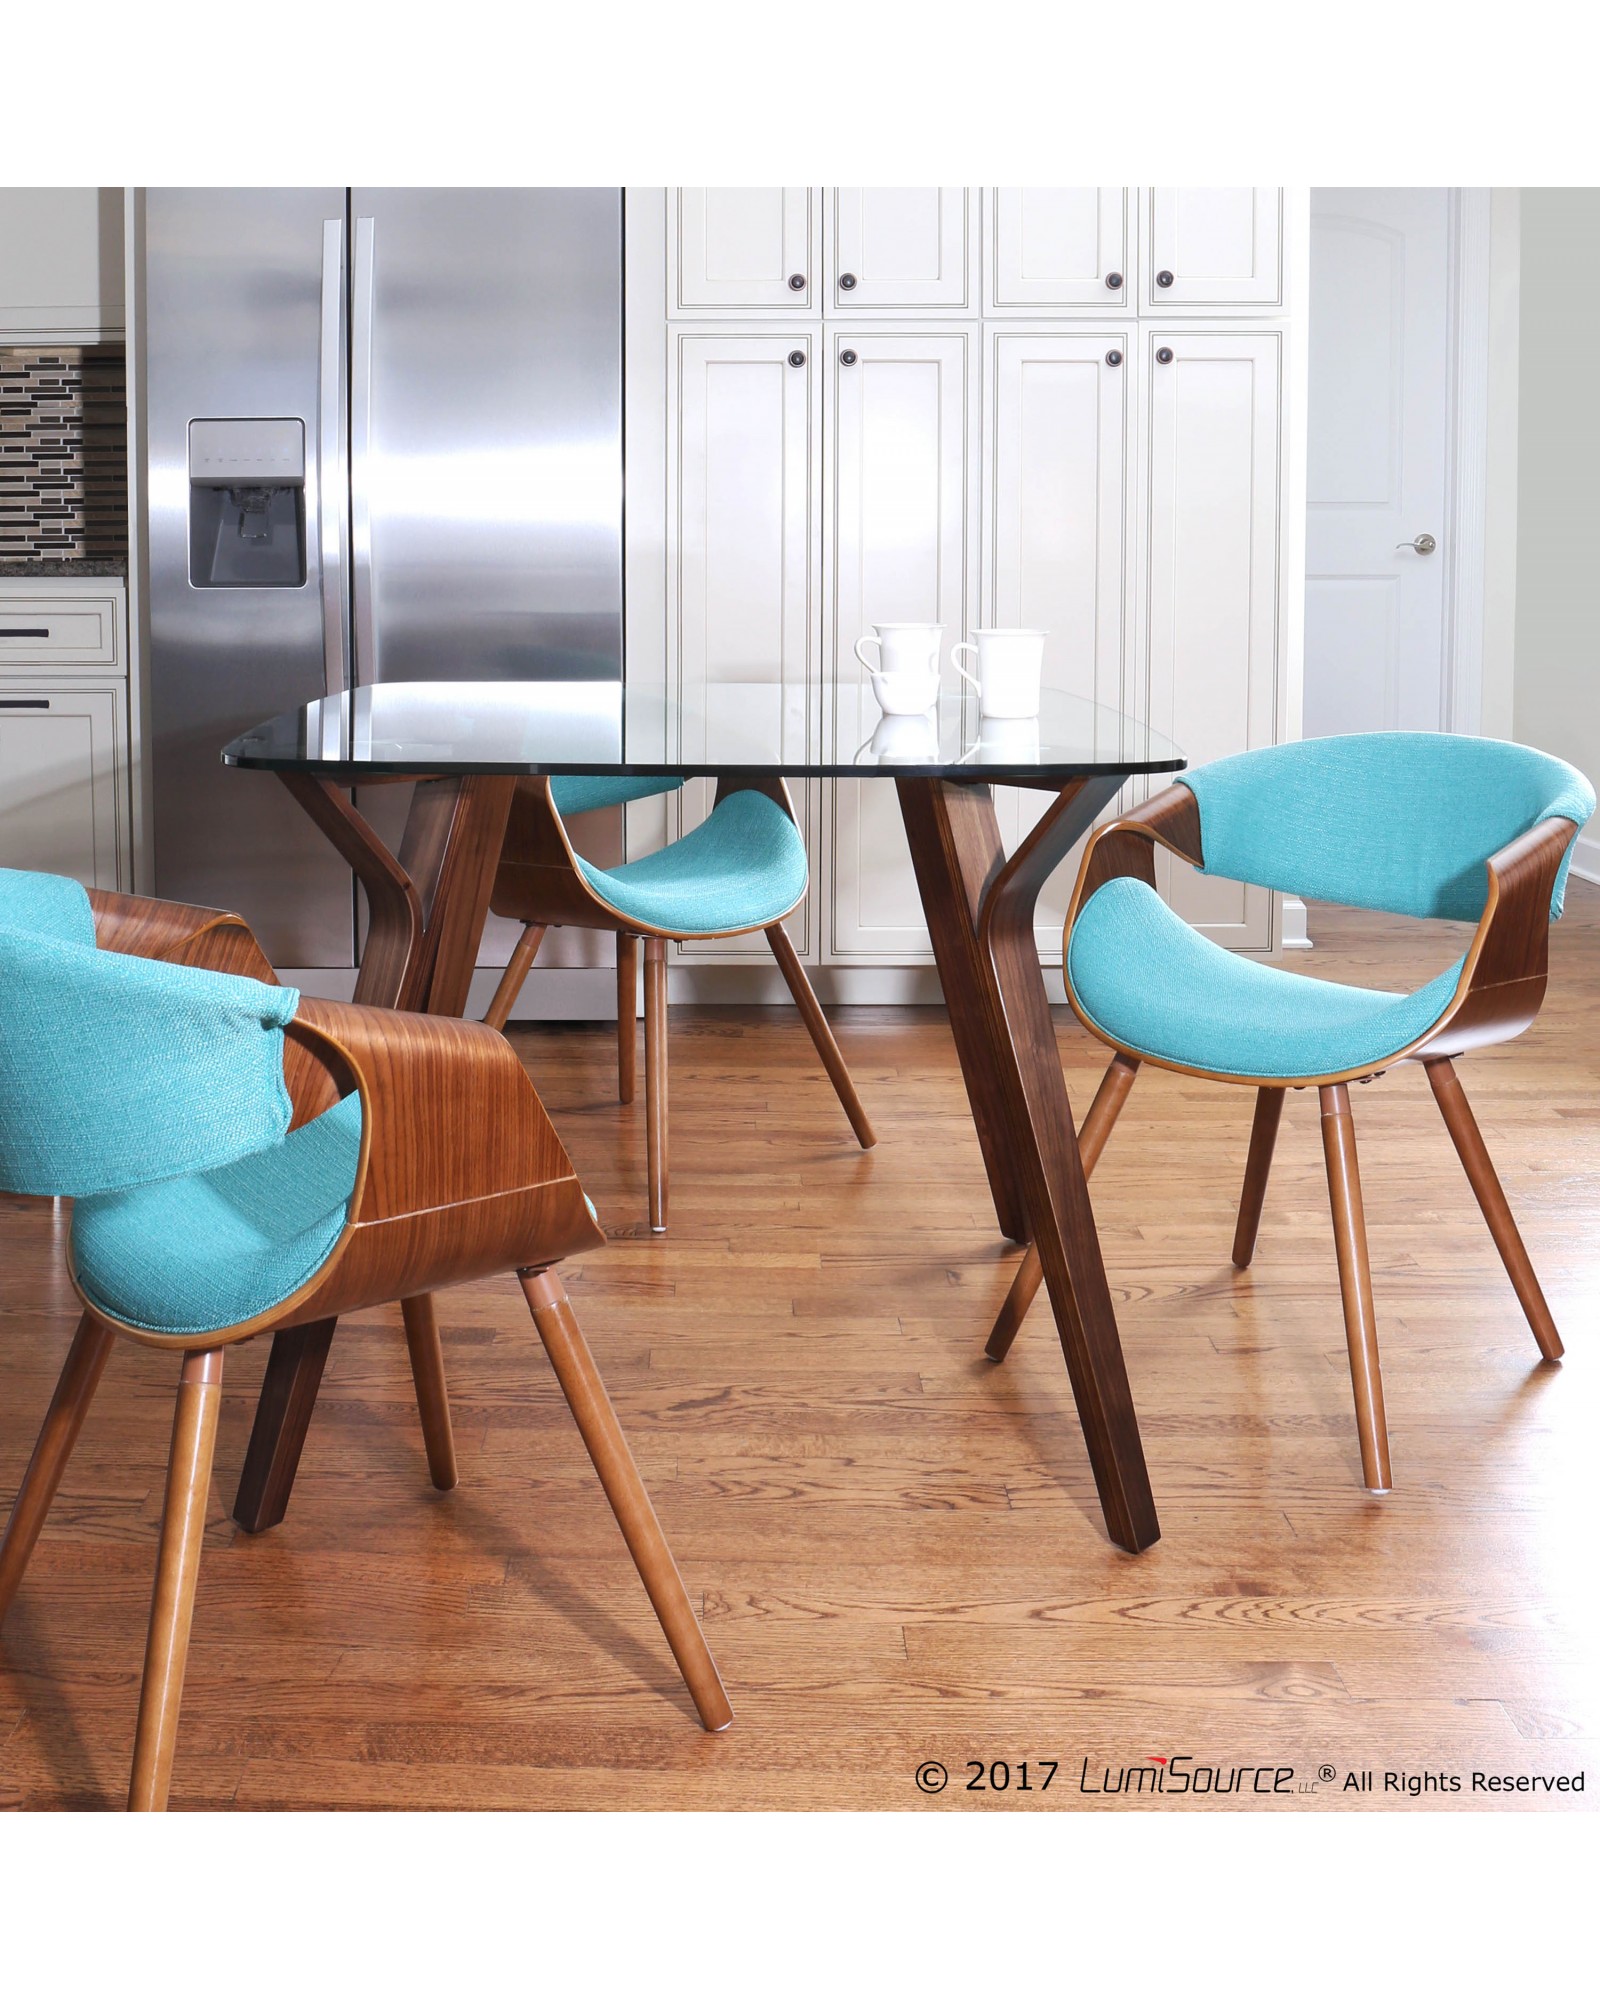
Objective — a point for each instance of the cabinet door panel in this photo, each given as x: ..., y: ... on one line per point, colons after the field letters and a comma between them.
x: 1051, y: 247
x: 904, y: 249
x: 746, y: 531
x: 62, y: 762
x: 1221, y: 247
x: 903, y: 489
x: 735, y: 250
x: 1055, y: 532
x: 1212, y: 607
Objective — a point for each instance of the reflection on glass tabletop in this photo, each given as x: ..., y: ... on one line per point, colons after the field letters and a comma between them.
x: 726, y: 729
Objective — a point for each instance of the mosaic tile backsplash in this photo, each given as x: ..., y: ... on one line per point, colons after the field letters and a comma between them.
x: 63, y: 452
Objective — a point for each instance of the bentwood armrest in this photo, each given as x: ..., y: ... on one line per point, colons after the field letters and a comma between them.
x: 1127, y: 846
x: 451, y: 1112
x: 1503, y: 979
x: 178, y: 933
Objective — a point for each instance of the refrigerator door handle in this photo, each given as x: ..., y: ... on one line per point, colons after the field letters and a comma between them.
x: 330, y: 458
x: 366, y: 635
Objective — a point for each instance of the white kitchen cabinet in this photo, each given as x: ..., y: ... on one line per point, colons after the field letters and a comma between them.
x: 745, y: 250
x: 61, y: 265
x: 1213, y: 247
x: 1057, y: 529
x: 1054, y: 248
x: 745, y: 577
x: 903, y: 250
x: 46, y: 629
x: 902, y: 514
x: 63, y: 780
x: 1214, y: 520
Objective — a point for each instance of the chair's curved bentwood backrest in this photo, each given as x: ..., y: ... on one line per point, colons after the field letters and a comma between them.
x: 571, y: 796
x: 1401, y: 821
x: 118, y: 1071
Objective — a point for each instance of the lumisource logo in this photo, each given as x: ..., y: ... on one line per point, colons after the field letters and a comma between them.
x: 1175, y: 1776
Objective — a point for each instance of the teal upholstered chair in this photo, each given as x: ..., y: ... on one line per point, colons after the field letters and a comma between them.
x: 742, y: 869
x: 243, y: 1160
x: 1416, y: 825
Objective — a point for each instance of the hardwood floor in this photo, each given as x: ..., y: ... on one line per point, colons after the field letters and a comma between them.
x: 897, y: 1544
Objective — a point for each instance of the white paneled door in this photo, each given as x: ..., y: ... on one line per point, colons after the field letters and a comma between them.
x: 904, y: 249
x: 1212, y: 597
x: 735, y: 250
x: 745, y: 527
x: 1213, y: 247
x: 1055, y: 535
x: 1053, y: 247
x: 63, y: 760
x: 902, y: 504
x: 1377, y: 459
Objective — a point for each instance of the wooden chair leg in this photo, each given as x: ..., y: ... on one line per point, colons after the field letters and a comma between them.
x: 627, y: 1013
x: 1258, y: 1164
x: 183, y: 1520
x: 1355, y: 1283
x: 655, y: 1078
x: 794, y: 977
x: 433, y: 1396
x: 514, y: 976
x: 608, y: 1448
x: 80, y: 1376
x: 1463, y: 1129
x: 283, y: 1416
x: 1092, y: 1136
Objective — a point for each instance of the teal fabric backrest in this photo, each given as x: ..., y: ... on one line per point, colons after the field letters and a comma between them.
x: 118, y: 1071
x: 1400, y: 821
x: 53, y: 905
x: 583, y: 795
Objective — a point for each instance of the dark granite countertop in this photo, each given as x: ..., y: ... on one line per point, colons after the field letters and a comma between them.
x: 63, y: 566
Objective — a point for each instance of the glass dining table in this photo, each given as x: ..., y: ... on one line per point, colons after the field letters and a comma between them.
x: 467, y: 746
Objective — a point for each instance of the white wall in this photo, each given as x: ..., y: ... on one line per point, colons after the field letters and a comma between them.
x: 1556, y: 697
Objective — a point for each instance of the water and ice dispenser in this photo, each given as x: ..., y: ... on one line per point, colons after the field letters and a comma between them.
x: 247, y: 503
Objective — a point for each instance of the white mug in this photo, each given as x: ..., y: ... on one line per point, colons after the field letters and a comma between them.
x: 906, y: 676
x: 1009, y: 667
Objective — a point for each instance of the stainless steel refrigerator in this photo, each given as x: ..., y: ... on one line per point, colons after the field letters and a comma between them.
x: 383, y: 437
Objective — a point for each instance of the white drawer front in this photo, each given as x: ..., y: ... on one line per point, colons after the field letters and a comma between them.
x: 57, y: 632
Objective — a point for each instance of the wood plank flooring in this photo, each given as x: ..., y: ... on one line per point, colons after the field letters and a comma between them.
x: 896, y: 1544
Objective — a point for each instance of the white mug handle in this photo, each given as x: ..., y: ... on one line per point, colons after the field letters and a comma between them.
x: 964, y: 646
x: 870, y: 639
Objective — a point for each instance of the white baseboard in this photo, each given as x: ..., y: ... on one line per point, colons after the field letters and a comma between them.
x: 1294, y: 936
x: 1586, y: 857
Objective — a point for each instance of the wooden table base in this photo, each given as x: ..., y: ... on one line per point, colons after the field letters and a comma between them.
x: 979, y: 907
x: 428, y: 908
x: 426, y: 911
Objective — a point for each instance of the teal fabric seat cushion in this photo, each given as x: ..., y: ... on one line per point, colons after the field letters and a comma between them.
x: 1158, y: 988
x: 572, y: 796
x: 211, y: 1250
x: 744, y: 866
x: 51, y: 906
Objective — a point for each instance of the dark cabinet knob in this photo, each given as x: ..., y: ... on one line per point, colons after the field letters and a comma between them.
x: 798, y: 282
x: 1163, y: 355
x: 797, y: 357
x: 1113, y: 281
x: 847, y: 281
x: 1163, y: 279
x: 1114, y: 357
x: 847, y: 357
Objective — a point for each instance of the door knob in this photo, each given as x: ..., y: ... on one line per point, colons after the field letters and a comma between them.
x: 798, y: 282
x: 847, y: 281
x: 847, y: 357
x: 797, y: 357
x: 1164, y: 279
x: 1114, y: 281
x: 1113, y: 357
x: 1424, y: 545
